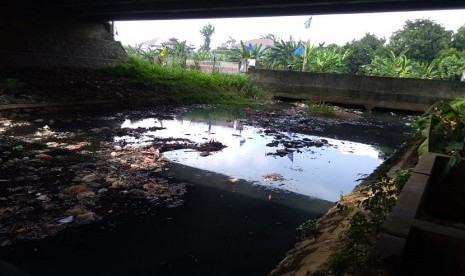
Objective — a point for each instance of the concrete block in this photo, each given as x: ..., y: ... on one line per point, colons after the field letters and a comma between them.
x: 426, y: 163
x: 410, y: 199
x: 397, y: 225
x: 387, y: 247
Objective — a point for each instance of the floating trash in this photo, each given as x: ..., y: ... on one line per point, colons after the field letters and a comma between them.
x: 273, y: 177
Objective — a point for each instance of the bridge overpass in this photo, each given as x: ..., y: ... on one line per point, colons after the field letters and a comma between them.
x: 104, y: 10
x: 51, y: 33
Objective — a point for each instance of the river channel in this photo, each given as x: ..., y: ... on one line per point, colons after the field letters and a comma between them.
x: 241, y: 204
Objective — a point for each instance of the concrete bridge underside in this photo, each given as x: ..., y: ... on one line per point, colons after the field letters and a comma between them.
x: 103, y: 10
x: 51, y: 33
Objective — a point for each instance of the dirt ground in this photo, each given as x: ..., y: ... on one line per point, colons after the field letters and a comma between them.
x: 57, y: 177
x: 311, y: 256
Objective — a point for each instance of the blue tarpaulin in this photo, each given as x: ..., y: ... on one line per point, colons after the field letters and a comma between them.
x: 250, y: 47
x: 299, y: 51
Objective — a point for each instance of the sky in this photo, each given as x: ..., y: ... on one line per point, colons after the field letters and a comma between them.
x: 338, y: 28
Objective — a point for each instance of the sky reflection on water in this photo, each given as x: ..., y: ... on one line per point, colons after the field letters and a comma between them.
x: 325, y: 172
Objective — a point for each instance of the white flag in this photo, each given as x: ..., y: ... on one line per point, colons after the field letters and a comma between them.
x: 307, y: 23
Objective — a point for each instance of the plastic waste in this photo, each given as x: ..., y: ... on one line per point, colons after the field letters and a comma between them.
x: 66, y: 220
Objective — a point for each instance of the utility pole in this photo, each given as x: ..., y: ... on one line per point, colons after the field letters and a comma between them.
x: 214, y: 61
x: 304, y: 63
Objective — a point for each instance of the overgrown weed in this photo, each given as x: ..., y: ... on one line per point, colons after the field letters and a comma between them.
x: 192, y: 86
x: 308, y: 228
x: 320, y: 108
x: 366, y: 223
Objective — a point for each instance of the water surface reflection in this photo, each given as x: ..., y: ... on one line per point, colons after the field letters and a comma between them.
x: 324, y: 172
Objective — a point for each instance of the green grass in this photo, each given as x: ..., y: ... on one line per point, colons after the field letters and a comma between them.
x: 322, y: 108
x: 189, y: 86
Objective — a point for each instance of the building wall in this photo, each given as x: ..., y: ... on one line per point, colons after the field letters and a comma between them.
x: 42, y: 40
x: 371, y: 92
x: 220, y: 66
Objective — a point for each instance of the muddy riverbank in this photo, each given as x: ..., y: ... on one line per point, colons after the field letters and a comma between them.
x: 66, y: 181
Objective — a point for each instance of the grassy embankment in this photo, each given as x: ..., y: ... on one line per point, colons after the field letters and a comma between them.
x: 177, y: 85
x: 134, y: 80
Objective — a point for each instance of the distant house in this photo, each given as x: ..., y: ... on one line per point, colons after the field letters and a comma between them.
x: 265, y: 42
x: 158, y: 43
x: 152, y: 43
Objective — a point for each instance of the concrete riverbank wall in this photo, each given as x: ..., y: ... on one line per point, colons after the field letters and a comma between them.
x: 40, y: 40
x: 370, y: 92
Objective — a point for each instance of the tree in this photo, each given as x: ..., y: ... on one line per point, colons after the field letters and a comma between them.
x: 363, y: 51
x: 207, y: 32
x: 451, y: 64
x: 422, y: 39
x: 458, y: 41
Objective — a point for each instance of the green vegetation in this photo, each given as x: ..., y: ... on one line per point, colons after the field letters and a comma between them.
x: 207, y: 32
x: 12, y: 83
x: 321, y: 108
x: 424, y: 40
x: 11, y: 86
x: 189, y: 86
x: 390, y: 66
x: 308, y: 228
x: 324, y: 60
x: 421, y: 49
x: 443, y: 129
x: 363, y: 51
x: 365, y: 223
x: 282, y: 54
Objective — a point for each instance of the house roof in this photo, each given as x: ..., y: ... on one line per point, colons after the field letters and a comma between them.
x: 158, y: 42
x: 152, y: 42
x: 266, y: 42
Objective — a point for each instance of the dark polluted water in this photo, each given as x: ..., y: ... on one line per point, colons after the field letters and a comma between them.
x: 324, y: 168
x: 242, y: 208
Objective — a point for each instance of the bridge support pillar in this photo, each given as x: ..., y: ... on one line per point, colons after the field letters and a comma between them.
x: 31, y: 39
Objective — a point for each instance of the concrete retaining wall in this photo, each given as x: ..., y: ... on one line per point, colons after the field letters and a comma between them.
x: 42, y: 40
x: 371, y: 92
x: 409, y: 229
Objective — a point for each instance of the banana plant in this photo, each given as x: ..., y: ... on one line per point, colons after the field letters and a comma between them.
x: 391, y: 66
x: 443, y: 128
x: 425, y: 71
x: 324, y: 60
x: 179, y: 52
x: 282, y: 55
x: 244, y: 52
